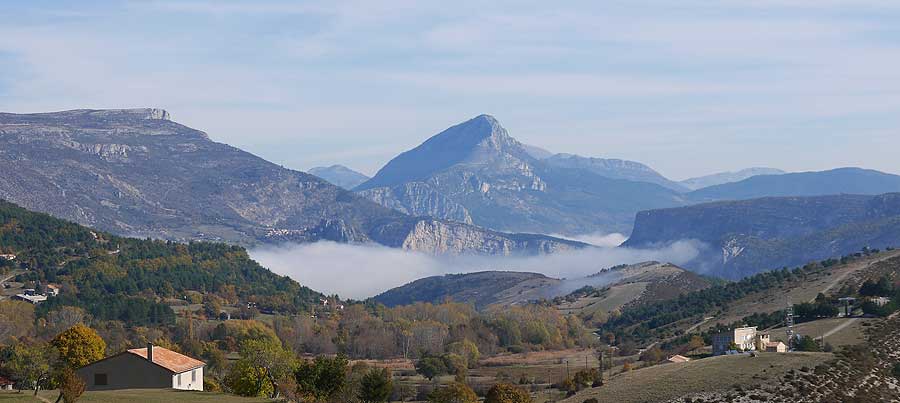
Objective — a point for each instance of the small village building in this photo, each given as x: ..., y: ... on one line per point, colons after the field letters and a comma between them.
x: 743, y: 337
x: 881, y: 301
x: 6, y: 384
x: 7, y: 256
x: 776, y: 347
x: 678, y: 359
x: 53, y: 289
x: 144, y: 368
x: 31, y: 297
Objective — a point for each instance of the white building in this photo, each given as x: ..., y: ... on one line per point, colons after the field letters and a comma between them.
x: 743, y: 337
x: 31, y: 297
x: 881, y: 301
x: 144, y: 368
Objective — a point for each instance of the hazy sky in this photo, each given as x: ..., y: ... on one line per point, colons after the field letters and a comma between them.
x: 687, y: 86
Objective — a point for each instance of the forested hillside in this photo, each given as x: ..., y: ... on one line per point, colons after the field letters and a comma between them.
x: 126, y: 279
x: 126, y: 292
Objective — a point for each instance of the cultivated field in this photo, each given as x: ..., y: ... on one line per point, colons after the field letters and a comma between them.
x: 669, y: 381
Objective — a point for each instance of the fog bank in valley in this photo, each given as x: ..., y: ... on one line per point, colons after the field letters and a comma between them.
x: 361, y: 271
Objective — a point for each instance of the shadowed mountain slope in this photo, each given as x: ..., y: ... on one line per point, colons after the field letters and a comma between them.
x: 749, y: 236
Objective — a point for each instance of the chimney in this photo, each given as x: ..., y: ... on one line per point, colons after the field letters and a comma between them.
x: 150, y: 352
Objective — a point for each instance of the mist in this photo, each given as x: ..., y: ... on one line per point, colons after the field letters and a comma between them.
x: 602, y: 239
x: 362, y: 271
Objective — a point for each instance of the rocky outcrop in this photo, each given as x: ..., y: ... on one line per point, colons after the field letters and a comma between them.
x: 135, y: 172
x: 420, y: 199
x: 441, y: 237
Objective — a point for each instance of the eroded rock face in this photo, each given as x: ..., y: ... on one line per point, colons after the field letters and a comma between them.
x: 136, y: 172
x: 442, y: 237
x: 419, y: 199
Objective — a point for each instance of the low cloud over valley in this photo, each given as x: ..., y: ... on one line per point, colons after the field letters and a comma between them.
x: 361, y: 271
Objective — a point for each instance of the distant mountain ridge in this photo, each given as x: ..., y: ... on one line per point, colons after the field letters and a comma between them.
x: 615, y: 169
x: 136, y: 172
x: 340, y: 175
x: 748, y: 236
x: 727, y: 177
x: 476, y: 172
x: 834, y: 181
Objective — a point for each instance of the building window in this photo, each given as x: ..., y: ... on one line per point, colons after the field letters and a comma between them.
x: 100, y: 380
x: 194, y: 376
x: 179, y: 379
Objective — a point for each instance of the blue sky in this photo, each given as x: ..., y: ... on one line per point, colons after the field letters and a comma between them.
x: 689, y: 87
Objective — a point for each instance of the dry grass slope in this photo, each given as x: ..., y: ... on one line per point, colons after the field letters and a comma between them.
x: 670, y: 381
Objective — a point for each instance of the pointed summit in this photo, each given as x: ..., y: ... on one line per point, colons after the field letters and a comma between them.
x: 471, y: 131
x: 474, y: 138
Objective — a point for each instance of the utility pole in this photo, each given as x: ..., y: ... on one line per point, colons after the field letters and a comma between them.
x: 601, y: 367
x: 549, y: 383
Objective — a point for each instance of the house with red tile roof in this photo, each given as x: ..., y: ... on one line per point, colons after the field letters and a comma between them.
x: 6, y: 384
x: 153, y: 367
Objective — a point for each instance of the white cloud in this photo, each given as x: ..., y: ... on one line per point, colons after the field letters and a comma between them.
x: 361, y: 271
x: 602, y: 239
x: 647, y: 79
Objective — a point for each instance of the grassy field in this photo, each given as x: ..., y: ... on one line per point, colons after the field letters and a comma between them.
x: 849, y: 335
x: 131, y: 396
x: 668, y: 381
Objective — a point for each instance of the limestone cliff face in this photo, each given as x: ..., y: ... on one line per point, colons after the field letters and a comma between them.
x: 418, y: 199
x: 136, y: 172
x: 442, y: 237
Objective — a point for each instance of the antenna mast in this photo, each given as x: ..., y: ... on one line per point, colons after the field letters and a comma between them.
x: 789, y: 324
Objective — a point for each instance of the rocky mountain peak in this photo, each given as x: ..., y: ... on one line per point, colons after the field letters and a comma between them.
x: 340, y: 175
x: 474, y: 131
x: 479, y: 138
